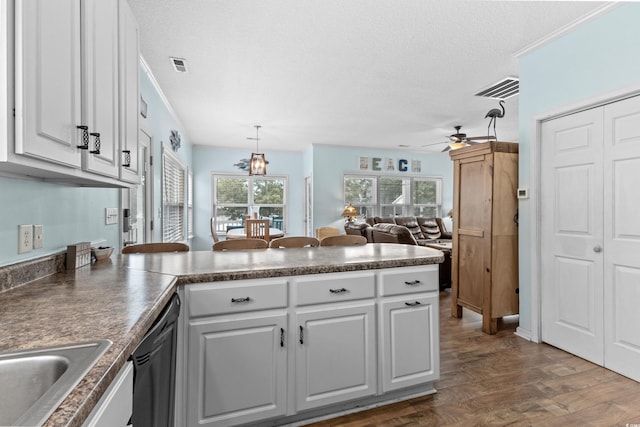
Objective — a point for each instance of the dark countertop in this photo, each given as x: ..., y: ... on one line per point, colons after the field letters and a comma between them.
x: 119, y: 299
x: 205, y: 266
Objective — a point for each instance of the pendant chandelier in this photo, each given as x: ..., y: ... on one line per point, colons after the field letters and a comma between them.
x: 257, y: 163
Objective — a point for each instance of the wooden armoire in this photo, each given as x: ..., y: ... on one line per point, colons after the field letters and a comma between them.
x: 484, y: 256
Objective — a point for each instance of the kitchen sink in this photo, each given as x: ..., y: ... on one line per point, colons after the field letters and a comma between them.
x: 34, y: 382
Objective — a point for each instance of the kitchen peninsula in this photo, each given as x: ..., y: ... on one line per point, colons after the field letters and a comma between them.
x: 373, y: 288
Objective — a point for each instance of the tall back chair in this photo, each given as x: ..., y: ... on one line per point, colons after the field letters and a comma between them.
x: 322, y: 232
x: 294, y: 242
x: 149, y: 248
x: 257, y: 229
x: 214, y: 235
x: 343, y: 240
x: 239, y: 244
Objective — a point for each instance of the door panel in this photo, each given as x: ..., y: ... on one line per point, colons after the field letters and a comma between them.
x: 571, y: 196
x: 622, y: 236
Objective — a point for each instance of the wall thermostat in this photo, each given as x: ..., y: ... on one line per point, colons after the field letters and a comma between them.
x: 523, y: 193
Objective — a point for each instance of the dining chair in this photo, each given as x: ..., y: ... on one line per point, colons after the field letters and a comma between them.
x: 213, y: 230
x: 257, y: 229
x: 149, y: 248
x: 294, y: 242
x: 239, y: 244
x: 322, y: 232
x: 343, y: 240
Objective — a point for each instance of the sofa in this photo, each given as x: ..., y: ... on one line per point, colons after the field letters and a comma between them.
x: 408, y: 231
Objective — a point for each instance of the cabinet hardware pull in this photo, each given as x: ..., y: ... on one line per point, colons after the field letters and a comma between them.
x: 281, y: 337
x: 127, y: 158
x: 414, y: 282
x: 85, y: 137
x: 337, y: 291
x: 96, y: 143
x: 412, y: 304
x: 246, y: 299
x: 301, y: 335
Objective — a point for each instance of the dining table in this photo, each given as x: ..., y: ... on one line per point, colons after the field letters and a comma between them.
x: 241, y: 233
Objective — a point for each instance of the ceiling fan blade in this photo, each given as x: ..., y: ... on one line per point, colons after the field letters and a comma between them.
x: 447, y: 148
x: 480, y: 138
x: 435, y: 143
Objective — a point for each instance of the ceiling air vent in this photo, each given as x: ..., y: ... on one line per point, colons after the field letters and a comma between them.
x: 179, y: 64
x: 505, y: 88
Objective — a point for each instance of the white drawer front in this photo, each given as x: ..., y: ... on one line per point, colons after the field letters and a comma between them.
x: 211, y: 299
x: 334, y: 287
x: 409, y: 280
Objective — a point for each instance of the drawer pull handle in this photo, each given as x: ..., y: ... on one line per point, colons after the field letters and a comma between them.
x: 414, y: 282
x: 412, y: 304
x: 239, y: 300
x: 281, y: 337
x: 338, y: 291
x: 301, y: 335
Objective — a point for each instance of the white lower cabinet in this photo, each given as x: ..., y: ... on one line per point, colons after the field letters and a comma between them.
x: 115, y: 407
x: 410, y: 352
x: 277, y: 349
x: 237, y: 370
x: 335, y: 355
x: 408, y: 327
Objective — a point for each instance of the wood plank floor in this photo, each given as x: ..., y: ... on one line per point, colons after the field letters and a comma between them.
x: 505, y: 380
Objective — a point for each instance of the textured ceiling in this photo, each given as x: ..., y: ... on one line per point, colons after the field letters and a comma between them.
x: 365, y: 73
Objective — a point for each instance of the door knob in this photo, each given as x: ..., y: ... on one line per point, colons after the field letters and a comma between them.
x: 597, y: 248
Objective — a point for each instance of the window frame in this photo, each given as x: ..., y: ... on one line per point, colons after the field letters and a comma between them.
x: 250, y: 196
x: 173, y: 197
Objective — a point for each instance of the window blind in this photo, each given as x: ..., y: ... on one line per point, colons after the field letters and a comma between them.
x: 172, y: 198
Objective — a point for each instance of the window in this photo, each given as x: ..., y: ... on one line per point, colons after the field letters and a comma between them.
x: 172, y: 198
x: 235, y: 196
x: 393, y: 196
x: 189, y: 204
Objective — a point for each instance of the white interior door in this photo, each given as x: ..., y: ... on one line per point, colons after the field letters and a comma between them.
x: 590, y: 240
x: 622, y: 236
x: 571, y: 237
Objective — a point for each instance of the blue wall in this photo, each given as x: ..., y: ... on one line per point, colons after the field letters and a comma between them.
x: 159, y: 123
x: 68, y: 215
x: 330, y: 163
x: 600, y: 56
x: 208, y: 160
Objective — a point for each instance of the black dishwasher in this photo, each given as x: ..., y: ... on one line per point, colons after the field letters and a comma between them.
x: 154, y: 370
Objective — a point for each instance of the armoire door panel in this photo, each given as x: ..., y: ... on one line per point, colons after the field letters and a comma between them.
x: 472, y: 196
x: 471, y: 267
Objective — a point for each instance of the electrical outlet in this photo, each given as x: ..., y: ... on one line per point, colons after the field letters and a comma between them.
x: 25, y: 238
x: 37, y: 236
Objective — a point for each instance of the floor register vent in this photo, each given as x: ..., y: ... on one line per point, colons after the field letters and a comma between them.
x: 503, y: 89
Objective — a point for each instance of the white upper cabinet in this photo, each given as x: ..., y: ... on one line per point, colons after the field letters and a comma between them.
x: 129, y: 94
x: 100, y: 86
x: 47, y: 80
x: 76, y: 92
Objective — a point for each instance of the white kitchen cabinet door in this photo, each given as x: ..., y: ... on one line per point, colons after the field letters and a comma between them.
x: 410, y: 353
x: 47, y: 80
x: 100, y: 86
x: 335, y: 354
x: 129, y: 91
x: 237, y: 369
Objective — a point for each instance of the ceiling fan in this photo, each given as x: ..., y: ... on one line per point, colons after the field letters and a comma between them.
x: 459, y: 140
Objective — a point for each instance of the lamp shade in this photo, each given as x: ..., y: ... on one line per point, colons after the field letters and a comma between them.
x: 257, y: 164
x: 350, y: 212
